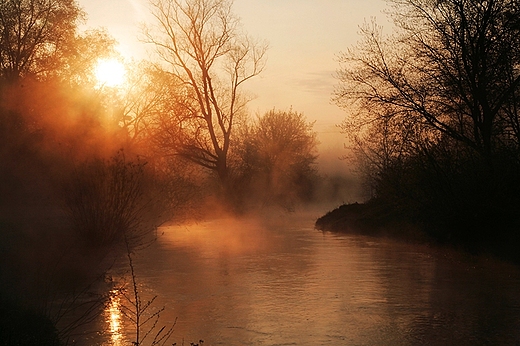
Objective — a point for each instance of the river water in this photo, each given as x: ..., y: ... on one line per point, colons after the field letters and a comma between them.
x: 278, y: 281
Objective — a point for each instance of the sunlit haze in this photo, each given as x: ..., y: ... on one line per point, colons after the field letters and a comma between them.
x: 110, y: 72
x: 304, y: 39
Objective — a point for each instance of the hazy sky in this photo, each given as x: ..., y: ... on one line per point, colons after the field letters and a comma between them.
x: 304, y: 37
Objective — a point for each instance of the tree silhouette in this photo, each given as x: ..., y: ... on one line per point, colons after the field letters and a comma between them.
x: 451, y: 70
x: 434, y: 114
x: 202, y: 47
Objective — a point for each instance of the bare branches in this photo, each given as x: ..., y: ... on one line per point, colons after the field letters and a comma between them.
x: 447, y: 67
x: 200, y: 43
x: 106, y: 200
x: 141, y: 314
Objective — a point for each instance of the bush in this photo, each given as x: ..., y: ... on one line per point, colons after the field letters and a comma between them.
x: 107, y: 200
x: 22, y: 327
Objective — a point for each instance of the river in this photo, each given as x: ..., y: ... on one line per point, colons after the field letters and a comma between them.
x: 278, y: 281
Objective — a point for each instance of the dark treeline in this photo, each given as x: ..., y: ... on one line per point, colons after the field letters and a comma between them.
x: 434, y: 118
x: 89, y: 171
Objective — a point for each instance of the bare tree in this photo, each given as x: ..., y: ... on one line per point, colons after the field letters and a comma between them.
x: 201, y: 45
x: 109, y: 201
x: 452, y: 69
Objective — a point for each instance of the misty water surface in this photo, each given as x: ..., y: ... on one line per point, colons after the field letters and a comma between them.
x: 280, y: 282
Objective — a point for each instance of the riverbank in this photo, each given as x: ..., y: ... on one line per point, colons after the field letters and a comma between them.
x: 372, y: 219
x: 377, y: 219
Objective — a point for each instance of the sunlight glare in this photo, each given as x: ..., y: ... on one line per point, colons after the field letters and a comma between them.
x: 114, y: 320
x: 110, y: 72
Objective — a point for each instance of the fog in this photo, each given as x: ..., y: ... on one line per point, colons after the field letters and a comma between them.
x: 78, y: 191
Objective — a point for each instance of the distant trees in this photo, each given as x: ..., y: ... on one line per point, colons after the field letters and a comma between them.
x: 434, y: 107
x: 278, y: 156
x: 202, y: 47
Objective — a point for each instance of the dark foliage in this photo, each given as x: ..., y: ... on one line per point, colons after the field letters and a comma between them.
x: 66, y: 196
x: 436, y: 129
x: 23, y: 327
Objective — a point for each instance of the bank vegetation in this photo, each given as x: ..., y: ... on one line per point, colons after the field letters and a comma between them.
x: 433, y: 115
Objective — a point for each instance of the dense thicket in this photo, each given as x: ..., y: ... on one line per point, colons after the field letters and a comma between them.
x: 68, y: 197
x: 67, y: 193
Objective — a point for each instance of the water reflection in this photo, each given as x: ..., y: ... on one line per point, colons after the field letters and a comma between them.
x: 245, y: 282
x: 114, y: 319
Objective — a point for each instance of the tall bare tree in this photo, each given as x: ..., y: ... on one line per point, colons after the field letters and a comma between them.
x: 201, y: 45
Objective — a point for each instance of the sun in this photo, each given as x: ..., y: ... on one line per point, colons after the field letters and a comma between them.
x: 110, y: 72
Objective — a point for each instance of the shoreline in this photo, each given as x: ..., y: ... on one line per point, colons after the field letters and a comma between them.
x: 371, y: 219
x: 379, y: 220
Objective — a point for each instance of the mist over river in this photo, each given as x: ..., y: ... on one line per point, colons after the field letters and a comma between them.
x: 278, y: 281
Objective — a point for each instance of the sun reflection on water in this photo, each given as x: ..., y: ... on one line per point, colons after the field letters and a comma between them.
x: 113, y: 313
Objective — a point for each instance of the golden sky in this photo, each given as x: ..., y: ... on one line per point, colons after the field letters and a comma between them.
x: 304, y: 37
